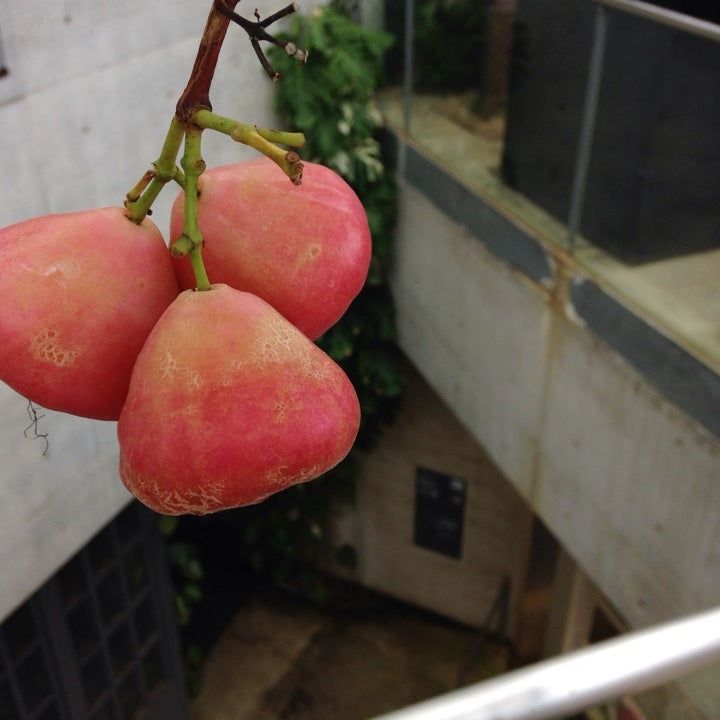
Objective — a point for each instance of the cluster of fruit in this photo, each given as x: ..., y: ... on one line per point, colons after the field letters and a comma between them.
x: 221, y: 395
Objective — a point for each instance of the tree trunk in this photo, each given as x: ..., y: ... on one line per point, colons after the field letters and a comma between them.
x: 499, y: 57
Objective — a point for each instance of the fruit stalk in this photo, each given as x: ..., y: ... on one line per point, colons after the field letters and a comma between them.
x: 258, y: 138
x: 194, y: 166
x: 212, y: 121
x: 164, y: 170
x: 193, y: 113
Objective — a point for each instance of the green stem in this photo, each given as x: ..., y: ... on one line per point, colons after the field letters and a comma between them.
x: 291, y: 139
x: 212, y: 121
x: 138, y: 190
x: 194, y: 166
x: 179, y: 177
x: 164, y: 171
x: 260, y: 139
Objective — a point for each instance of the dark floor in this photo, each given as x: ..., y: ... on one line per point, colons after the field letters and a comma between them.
x: 284, y: 659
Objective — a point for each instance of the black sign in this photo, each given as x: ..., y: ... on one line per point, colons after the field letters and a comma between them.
x: 439, y: 511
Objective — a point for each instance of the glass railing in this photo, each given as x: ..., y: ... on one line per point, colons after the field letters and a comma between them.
x: 593, y: 124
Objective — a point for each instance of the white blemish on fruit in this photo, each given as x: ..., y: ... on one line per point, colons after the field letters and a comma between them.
x: 171, y: 371
x: 200, y: 500
x: 168, y: 366
x: 309, y: 473
x: 276, y: 479
x: 279, y: 478
x: 194, y: 380
x: 45, y: 346
x: 280, y: 408
x: 62, y: 272
x: 282, y: 343
x: 307, y: 255
x: 277, y: 342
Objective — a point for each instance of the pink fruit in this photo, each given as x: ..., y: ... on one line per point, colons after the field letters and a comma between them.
x: 81, y: 291
x: 304, y: 249
x: 228, y: 404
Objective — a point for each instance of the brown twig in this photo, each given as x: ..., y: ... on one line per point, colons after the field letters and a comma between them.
x: 197, y: 92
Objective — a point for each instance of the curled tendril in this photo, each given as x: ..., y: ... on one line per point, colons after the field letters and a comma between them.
x: 33, y: 427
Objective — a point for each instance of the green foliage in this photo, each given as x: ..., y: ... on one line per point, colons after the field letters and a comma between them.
x: 450, y: 45
x: 331, y: 100
x: 186, y: 574
x: 193, y: 657
x: 286, y: 534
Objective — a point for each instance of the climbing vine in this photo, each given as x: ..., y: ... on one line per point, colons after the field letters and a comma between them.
x: 332, y: 102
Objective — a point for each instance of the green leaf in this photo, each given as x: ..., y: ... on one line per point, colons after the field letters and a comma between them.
x: 193, y: 570
x: 380, y: 372
x: 194, y: 654
x: 338, y: 342
x: 192, y: 593
x: 167, y: 524
x: 182, y: 609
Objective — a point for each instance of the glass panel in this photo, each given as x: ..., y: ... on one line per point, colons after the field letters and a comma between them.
x: 121, y: 650
x: 34, y: 680
x: 50, y: 713
x: 145, y: 624
x: 20, y: 633
x: 83, y: 630
x: 135, y: 572
x: 8, y: 709
x: 152, y: 668
x: 128, y: 524
x: 502, y: 106
x: 457, y: 109
x: 105, y: 712
x: 110, y: 596
x: 72, y: 581
x: 101, y: 551
x: 129, y: 695
x: 94, y: 677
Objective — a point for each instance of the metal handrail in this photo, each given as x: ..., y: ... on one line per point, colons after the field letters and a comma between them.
x: 670, y: 18
x: 584, y: 678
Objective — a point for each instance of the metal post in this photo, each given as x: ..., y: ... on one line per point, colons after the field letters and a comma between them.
x: 587, y: 129
x: 409, y: 60
x: 407, y: 83
x: 582, y: 679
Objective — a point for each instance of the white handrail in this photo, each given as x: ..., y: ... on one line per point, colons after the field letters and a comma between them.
x: 671, y: 18
x: 584, y: 678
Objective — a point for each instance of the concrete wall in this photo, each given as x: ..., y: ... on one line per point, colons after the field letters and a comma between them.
x: 497, y: 522
x: 91, y: 91
x: 625, y: 479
